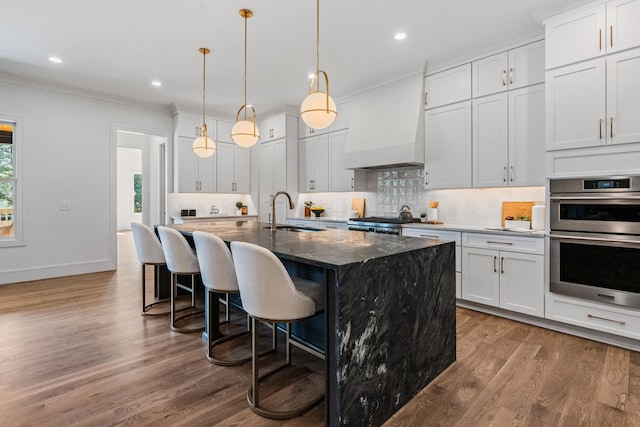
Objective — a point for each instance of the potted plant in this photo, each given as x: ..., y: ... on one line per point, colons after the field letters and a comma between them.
x: 307, y: 208
x: 519, y: 221
x: 239, y: 206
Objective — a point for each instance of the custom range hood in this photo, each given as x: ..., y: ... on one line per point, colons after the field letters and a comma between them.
x: 386, y: 128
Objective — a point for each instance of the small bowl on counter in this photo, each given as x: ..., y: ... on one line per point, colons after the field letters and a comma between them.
x: 317, y: 212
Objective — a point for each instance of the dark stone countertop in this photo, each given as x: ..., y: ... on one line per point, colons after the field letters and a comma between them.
x: 327, y: 248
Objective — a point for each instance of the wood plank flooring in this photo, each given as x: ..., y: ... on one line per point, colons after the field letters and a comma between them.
x: 75, y: 351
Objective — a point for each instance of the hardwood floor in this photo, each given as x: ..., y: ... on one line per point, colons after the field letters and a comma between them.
x: 75, y: 351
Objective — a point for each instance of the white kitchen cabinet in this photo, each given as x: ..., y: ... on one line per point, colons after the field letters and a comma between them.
x: 234, y: 168
x: 448, y: 146
x: 223, y: 131
x: 343, y: 119
x: 575, y: 105
x: 273, y: 127
x: 508, y: 138
x: 504, y: 271
x: 590, y: 32
x: 314, y: 164
x: 445, y: 235
x: 526, y: 65
x: 447, y: 87
x: 513, y: 69
x: 193, y: 173
x: 594, y: 102
x: 623, y: 93
x: 490, y: 141
x: 273, y: 177
x: 340, y: 178
x: 190, y: 124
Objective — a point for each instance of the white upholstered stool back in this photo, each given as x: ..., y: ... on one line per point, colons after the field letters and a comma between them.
x: 216, y: 264
x: 180, y: 257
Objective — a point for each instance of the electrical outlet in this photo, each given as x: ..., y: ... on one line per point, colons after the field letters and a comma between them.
x: 64, y: 206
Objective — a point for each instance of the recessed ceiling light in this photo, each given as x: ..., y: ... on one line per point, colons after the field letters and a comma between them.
x: 55, y: 60
x: 156, y: 83
x: 400, y: 36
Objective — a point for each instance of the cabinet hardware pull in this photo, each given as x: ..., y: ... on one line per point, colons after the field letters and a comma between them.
x: 494, y: 264
x: 428, y: 237
x: 196, y: 131
x: 426, y: 181
x: 504, y: 174
x: 329, y: 226
x: 504, y: 77
x: 352, y: 183
x: 425, y: 98
x: 502, y: 265
x: 611, y: 127
x: 611, y: 35
x: 511, y: 173
x: 270, y: 201
x: 510, y: 76
x: 493, y: 242
x: 591, y: 316
x: 600, y: 38
x: 600, y: 128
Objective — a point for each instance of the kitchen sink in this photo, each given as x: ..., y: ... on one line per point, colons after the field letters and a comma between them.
x: 297, y: 229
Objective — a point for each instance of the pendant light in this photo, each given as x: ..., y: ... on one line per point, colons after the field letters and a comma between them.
x: 318, y: 110
x: 204, y: 146
x: 245, y: 132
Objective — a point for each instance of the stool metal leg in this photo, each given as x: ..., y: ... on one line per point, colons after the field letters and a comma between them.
x: 174, y: 296
x: 146, y: 307
x: 253, y: 398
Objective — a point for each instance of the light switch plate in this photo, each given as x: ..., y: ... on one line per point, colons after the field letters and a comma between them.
x: 64, y: 206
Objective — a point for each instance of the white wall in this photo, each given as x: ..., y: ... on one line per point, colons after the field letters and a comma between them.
x: 129, y: 163
x: 69, y: 155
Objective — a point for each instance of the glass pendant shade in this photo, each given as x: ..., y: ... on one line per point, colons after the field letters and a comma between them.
x: 318, y: 110
x: 245, y: 133
x: 204, y: 146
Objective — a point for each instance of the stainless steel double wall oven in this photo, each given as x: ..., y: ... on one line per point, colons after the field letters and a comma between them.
x: 595, y: 239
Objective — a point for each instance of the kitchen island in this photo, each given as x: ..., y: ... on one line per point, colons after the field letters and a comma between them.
x: 390, y: 311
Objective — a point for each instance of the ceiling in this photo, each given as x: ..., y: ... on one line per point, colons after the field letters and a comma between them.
x: 118, y: 47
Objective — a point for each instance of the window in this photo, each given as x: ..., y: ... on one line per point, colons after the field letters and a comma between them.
x: 137, y: 193
x: 10, y: 226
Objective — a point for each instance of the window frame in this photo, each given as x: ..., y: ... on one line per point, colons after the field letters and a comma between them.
x: 18, y: 215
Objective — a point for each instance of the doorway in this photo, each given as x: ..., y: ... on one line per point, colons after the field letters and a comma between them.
x: 140, y: 179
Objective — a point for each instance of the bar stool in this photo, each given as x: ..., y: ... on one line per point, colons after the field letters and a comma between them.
x: 269, y: 294
x: 149, y: 251
x: 180, y: 260
x: 218, y: 276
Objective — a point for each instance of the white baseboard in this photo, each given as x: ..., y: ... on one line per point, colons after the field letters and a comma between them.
x: 51, y: 271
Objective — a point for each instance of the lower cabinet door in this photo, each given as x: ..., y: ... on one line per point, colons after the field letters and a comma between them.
x: 521, y: 276
x: 481, y: 277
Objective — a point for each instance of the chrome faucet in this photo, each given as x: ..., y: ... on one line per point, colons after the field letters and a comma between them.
x: 273, y: 207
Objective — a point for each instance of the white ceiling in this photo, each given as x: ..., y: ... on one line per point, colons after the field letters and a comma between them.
x: 116, y: 47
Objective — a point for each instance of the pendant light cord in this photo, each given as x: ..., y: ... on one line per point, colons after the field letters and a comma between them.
x: 318, y: 45
x: 204, y: 69
x: 245, y: 66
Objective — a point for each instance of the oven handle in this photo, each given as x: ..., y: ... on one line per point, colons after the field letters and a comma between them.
x: 592, y: 239
x: 607, y: 197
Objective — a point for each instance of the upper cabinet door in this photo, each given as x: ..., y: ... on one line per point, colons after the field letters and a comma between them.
x: 242, y: 169
x: 490, y: 141
x: 188, y: 125
x: 575, y: 106
x: 623, y: 93
x: 224, y: 154
x: 526, y: 65
x: 623, y: 31
x: 224, y: 131
x: 343, y: 118
x: 448, y: 87
x: 490, y: 75
x: 526, y: 136
x: 575, y: 36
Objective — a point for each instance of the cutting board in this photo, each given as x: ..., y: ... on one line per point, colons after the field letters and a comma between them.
x: 357, y: 204
x: 514, y: 209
